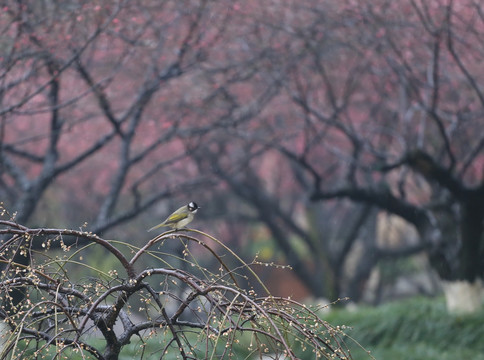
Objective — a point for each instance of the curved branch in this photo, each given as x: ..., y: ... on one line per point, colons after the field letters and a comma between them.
x: 16, y: 229
x: 382, y: 198
x: 425, y: 165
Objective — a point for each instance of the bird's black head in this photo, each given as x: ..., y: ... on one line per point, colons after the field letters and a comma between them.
x: 192, y: 206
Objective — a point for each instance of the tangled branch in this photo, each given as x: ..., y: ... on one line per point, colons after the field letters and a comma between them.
x: 165, y: 309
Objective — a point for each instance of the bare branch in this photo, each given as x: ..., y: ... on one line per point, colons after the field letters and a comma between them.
x: 218, y: 311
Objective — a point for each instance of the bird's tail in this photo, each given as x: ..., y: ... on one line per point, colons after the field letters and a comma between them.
x: 157, y: 226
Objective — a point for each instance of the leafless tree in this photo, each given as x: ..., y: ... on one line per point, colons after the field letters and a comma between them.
x: 71, y: 101
x: 281, y: 103
x: 397, y: 124
x: 372, y: 106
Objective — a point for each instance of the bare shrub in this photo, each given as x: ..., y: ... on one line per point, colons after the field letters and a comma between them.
x: 179, y: 309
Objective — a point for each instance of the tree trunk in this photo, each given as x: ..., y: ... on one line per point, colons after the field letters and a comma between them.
x: 471, y: 233
x: 462, y: 296
x: 459, y: 260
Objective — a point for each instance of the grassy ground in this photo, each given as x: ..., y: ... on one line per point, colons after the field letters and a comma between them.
x: 414, y: 329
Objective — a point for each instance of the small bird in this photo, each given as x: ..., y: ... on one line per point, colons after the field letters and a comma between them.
x: 180, y: 218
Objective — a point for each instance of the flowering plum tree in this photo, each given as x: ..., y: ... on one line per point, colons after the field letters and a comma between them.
x: 382, y: 104
x: 79, y: 81
x: 290, y: 105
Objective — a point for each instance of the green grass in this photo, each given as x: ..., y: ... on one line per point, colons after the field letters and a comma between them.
x: 416, y: 329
